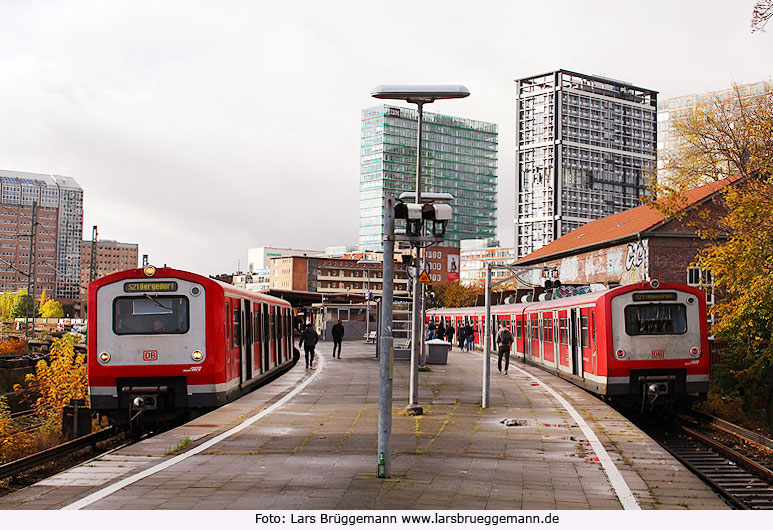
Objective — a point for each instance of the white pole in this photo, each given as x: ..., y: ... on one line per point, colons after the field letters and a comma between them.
x: 487, y: 340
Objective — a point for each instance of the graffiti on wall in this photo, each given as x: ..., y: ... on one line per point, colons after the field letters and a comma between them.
x: 636, y: 263
x: 621, y: 264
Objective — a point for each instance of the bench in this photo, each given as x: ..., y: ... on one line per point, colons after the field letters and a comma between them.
x: 370, y: 337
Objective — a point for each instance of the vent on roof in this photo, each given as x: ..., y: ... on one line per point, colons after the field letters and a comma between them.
x: 621, y: 224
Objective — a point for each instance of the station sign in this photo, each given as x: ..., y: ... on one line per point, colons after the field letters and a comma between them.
x: 654, y: 297
x: 150, y: 287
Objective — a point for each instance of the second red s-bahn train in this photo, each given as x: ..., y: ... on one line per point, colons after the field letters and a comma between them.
x: 645, y: 342
x: 165, y: 342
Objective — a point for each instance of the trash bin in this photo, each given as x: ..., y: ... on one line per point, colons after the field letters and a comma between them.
x: 437, y: 351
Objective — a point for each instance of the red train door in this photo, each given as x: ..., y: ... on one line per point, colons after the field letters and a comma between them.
x: 257, y: 337
x: 246, y: 352
x: 589, y: 363
x: 265, y: 338
x: 574, y: 341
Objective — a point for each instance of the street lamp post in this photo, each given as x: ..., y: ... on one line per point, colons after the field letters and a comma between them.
x: 418, y: 94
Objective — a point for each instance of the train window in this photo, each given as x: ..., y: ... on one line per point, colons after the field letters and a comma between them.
x: 563, y: 324
x: 518, y: 328
x: 547, y: 329
x: 150, y: 315
x: 593, y: 324
x: 656, y: 319
x: 237, y: 327
x: 584, y: 332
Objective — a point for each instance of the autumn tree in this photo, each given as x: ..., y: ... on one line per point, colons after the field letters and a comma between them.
x: 59, y: 380
x: 733, y: 138
x: 14, y: 440
x: 7, y: 300
x: 51, y: 309
x: 761, y: 14
x: 453, y: 294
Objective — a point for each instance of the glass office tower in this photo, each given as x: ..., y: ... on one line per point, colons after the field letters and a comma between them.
x: 459, y: 156
x: 585, y: 146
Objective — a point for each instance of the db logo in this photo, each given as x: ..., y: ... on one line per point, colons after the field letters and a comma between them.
x: 149, y: 355
x: 658, y: 354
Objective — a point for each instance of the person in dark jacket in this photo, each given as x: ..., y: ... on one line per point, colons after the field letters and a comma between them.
x: 450, y: 336
x: 469, y: 338
x: 460, y: 336
x: 309, y: 340
x: 338, y: 336
x: 440, y: 333
x: 504, y: 340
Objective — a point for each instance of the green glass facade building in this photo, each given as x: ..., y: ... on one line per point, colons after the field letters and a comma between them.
x: 459, y: 156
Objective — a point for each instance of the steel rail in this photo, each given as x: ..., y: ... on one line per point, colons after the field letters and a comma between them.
x: 43, y: 457
x: 757, y: 467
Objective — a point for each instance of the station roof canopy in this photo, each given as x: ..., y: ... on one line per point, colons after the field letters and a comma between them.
x: 306, y: 298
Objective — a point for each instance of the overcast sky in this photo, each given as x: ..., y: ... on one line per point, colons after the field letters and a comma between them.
x: 201, y: 129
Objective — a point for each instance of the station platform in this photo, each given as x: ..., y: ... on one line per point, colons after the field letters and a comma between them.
x: 308, y: 441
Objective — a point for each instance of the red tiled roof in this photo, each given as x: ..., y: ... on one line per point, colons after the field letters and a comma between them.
x: 621, y: 225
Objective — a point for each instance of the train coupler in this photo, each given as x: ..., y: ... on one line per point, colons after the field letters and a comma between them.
x: 654, y: 388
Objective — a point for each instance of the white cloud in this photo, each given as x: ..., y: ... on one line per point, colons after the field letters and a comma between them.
x: 199, y: 129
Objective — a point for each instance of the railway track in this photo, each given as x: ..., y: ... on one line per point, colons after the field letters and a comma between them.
x: 48, y: 456
x: 741, y: 478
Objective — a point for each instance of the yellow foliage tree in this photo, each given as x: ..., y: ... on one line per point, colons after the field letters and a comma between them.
x: 51, y: 309
x: 43, y: 299
x: 13, y: 441
x: 58, y: 382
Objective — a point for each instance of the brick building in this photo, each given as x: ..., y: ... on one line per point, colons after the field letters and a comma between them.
x: 57, y: 202
x: 112, y: 256
x: 640, y: 244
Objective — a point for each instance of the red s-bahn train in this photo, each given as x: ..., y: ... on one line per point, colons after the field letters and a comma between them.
x: 163, y: 343
x: 645, y: 342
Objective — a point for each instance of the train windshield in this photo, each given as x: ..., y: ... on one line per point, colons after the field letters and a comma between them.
x: 150, y: 315
x: 655, y: 319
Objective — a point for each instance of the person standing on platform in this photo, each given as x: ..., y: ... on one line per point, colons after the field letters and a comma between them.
x: 309, y: 340
x: 441, y: 331
x: 504, y: 340
x: 460, y: 336
x: 338, y: 336
x: 450, y: 336
x: 469, y: 337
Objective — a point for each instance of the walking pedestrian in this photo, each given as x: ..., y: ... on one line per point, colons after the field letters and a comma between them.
x: 338, y: 336
x: 469, y: 337
x: 504, y: 340
x: 450, y: 337
x: 309, y: 340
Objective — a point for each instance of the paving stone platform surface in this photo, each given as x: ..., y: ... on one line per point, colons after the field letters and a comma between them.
x: 318, y: 451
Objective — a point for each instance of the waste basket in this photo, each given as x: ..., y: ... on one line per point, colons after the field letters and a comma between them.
x: 437, y: 351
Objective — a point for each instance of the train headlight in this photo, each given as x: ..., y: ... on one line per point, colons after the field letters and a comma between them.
x: 655, y: 284
x: 197, y: 355
x: 620, y: 353
x: 695, y: 352
x: 104, y: 357
x: 150, y: 270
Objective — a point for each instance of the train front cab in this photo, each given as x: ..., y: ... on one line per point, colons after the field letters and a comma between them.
x: 657, y: 343
x: 146, y: 338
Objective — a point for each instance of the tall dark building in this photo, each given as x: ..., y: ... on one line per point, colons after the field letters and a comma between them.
x: 585, y: 146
